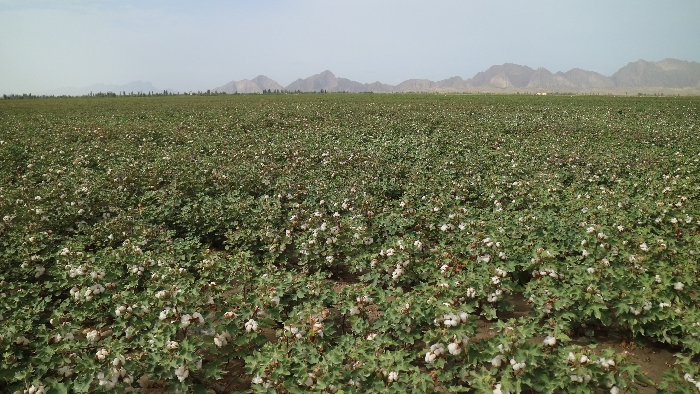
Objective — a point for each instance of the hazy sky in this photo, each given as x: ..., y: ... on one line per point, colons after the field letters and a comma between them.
x: 197, y: 45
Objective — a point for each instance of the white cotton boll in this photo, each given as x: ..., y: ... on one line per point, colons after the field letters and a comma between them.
x: 497, y: 389
x: 397, y: 273
x: 182, y: 373
x: 120, y: 360
x: 198, y: 316
x: 454, y: 349
x: 584, y: 359
x: 393, y: 376
x: 257, y: 380
x: 678, y: 286
x: 571, y: 358
x: 185, y: 320
x: 38, y: 271
x: 120, y: 310
x: 644, y: 247
x: 102, y: 354
x: 230, y: 315
x: 430, y: 357
x: 41, y: 389
x: 576, y: 378
x: 93, y: 336
x: 275, y: 300
x: 497, y: 361
x: 172, y: 345
x: 607, y: 363
x: 65, y: 371
x: 463, y: 316
x: 550, y: 341
x: 483, y: 259
x: 517, y: 366
x: 354, y: 311
x: 163, y: 314
x: 471, y: 292
x: 437, y: 349
x: 451, y: 320
x: 317, y: 328
x: 251, y: 325
x: 495, y: 280
x: 614, y: 390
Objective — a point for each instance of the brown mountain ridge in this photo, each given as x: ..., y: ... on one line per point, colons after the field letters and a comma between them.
x: 664, y: 74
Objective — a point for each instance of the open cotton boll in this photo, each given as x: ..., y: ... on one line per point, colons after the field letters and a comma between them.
x: 393, y: 376
x: 497, y: 361
x: 251, y: 325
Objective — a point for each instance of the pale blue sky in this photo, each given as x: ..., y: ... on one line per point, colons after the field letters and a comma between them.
x: 197, y: 45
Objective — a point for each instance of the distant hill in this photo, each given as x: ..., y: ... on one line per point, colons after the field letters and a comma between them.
x: 668, y: 73
x: 135, y: 87
x: 255, y: 85
x: 508, y: 77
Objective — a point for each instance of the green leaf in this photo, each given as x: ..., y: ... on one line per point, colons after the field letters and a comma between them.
x: 58, y: 388
x: 82, y: 384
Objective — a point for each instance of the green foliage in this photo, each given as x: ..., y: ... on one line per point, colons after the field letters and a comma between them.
x: 346, y: 243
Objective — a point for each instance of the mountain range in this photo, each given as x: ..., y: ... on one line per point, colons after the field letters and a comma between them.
x: 667, y: 74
